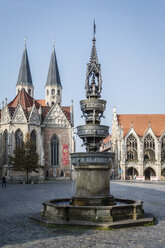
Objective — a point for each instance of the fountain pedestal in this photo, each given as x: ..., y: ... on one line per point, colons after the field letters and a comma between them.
x: 93, y: 176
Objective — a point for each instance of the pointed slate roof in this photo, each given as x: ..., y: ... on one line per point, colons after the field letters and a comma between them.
x: 53, y: 77
x: 24, y: 76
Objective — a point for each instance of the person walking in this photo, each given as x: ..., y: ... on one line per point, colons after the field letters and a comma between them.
x: 135, y: 178
x: 3, y: 181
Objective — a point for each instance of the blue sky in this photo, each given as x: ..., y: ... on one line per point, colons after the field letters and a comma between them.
x: 130, y: 40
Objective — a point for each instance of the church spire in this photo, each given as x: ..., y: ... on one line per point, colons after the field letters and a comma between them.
x: 53, y: 77
x: 53, y: 87
x: 24, y: 77
x: 93, y: 83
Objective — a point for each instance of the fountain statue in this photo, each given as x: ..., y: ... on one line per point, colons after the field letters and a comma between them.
x: 92, y: 204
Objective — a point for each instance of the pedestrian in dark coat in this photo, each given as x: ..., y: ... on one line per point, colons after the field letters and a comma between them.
x: 3, y: 181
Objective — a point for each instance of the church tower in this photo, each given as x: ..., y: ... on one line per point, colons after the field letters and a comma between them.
x: 53, y: 87
x: 24, y: 77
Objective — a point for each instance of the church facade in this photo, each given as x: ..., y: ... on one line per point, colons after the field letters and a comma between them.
x: 139, y: 144
x: 48, y: 123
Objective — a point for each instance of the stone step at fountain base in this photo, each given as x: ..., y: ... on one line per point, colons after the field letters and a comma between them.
x: 145, y: 221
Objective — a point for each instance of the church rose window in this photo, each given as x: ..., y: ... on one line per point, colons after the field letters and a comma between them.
x: 18, y: 138
x: 131, y: 148
x: 54, y: 151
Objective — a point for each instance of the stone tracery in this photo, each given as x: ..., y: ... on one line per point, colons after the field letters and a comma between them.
x: 149, y: 148
x: 131, y: 147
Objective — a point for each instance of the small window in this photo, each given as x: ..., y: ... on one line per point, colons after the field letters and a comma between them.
x: 58, y: 92
x: 29, y: 92
x: 47, y: 92
x: 52, y: 103
x: 53, y: 91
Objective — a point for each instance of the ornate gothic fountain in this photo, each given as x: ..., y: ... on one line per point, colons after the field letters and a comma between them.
x: 92, y: 204
x: 93, y: 166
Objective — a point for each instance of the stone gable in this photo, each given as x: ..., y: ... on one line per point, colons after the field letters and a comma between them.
x: 56, y: 118
x: 34, y: 117
x: 19, y: 116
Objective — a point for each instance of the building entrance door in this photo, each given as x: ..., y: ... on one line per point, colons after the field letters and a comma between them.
x: 147, y: 175
x: 149, y: 172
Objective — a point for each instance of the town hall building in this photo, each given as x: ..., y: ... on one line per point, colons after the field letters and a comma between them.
x: 48, y: 123
x: 138, y: 141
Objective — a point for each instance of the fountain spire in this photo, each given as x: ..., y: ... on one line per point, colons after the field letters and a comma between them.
x: 93, y: 72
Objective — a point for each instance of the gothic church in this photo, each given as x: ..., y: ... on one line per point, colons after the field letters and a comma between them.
x: 49, y: 124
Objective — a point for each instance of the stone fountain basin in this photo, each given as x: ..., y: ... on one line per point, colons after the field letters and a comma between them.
x: 60, y: 210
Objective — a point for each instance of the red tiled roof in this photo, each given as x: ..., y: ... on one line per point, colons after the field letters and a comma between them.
x: 45, y: 110
x: 41, y: 102
x: 66, y: 111
x: 27, y: 104
x: 141, y: 122
x: 25, y: 100
x: 106, y: 143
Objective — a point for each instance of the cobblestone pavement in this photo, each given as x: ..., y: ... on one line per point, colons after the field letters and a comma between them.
x: 17, y: 202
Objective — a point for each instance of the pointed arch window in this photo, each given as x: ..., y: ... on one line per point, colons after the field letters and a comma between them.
x: 54, y: 150
x: 132, y: 148
x: 53, y: 92
x: 33, y: 137
x: 18, y: 138
x: 149, y: 148
x: 5, y: 147
x: 29, y: 92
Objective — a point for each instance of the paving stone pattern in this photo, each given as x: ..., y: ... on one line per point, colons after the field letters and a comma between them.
x: 17, y: 202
